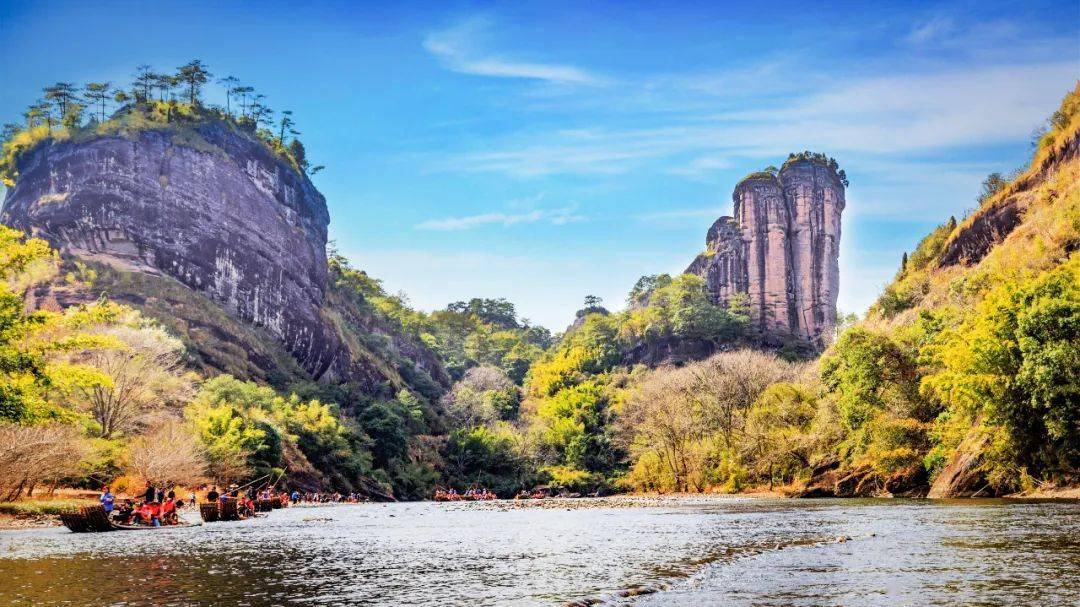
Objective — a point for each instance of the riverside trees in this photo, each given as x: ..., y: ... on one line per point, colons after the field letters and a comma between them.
x: 97, y: 390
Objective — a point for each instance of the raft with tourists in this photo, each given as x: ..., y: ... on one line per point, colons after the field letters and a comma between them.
x: 95, y: 518
x: 469, y: 495
x: 161, y: 510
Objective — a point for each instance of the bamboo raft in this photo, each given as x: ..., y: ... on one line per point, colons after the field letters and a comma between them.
x: 226, y: 510
x: 89, y: 519
x: 210, y: 512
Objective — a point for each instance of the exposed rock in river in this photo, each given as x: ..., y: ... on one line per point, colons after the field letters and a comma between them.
x: 781, y: 248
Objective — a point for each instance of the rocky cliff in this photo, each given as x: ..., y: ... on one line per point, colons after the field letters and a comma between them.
x: 781, y: 248
x: 213, y: 208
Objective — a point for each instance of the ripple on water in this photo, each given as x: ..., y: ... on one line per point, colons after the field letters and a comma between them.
x: 669, y: 551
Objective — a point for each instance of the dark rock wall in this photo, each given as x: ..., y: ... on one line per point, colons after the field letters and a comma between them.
x: 781, y: 248
x: 235, y: 223
x: 992, y: 224
x: 214, y: 209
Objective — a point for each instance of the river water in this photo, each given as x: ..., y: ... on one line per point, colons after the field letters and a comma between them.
x: 685, y: 551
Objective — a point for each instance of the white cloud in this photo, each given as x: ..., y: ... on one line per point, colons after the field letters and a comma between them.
x: 929, y: 31
x: 456, y: 47
x: 702, y: 167
x: 558, y: 217
x: 884, y: 115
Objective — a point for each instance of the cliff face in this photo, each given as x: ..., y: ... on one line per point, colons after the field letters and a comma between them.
x: 991, y: 225
x: 210, y: 207
x: 781, y: 249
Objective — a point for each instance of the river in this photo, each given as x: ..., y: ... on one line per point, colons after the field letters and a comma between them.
x: 641, y: 552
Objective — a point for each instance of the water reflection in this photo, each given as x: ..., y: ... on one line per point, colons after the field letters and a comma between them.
x: 702, y: 551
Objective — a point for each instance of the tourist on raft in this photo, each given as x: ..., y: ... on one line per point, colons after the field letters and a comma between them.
x: 151, y: 512
x: 107, y: 499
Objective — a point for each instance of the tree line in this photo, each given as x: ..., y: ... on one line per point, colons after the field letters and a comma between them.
x: 160, y: 95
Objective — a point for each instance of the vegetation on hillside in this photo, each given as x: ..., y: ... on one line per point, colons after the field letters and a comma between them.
x: 979, y: 359
x: 953, y: 360
x: 151, y: 101
x: 771, y: 172
x: 98, y: 392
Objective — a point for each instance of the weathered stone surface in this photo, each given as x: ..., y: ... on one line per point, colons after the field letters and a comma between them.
x: 860, y: 481
x: 993, y: 224
x: 822, y: 481
x: 781, y: 248
x: 240, y: 226
x: 909, y: 482
x: 217, y: 211
x: 963, y: 476
x: 723, y: 266
x: 816, y: 198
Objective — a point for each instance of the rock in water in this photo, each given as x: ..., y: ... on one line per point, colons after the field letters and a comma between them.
x: 781, y: 249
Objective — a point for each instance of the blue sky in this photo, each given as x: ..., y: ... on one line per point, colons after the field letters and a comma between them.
x: 546, y: 151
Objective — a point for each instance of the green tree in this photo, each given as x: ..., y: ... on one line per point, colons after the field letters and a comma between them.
x: 145, y: 82
x: 62, y: 95
x: 35, y: 369
x: 164, y: 83
x: 97, y: 92
x: 39, y: 113
x: 1016, y: 359
x: 229, y: 439
x: 994, y: 183
x: 498, y: 312
x: 243, y: 92
x: 299, y: 154
x: 486, y: 457
x: 645, y: 286
x: 193, y: 74
x: 386, y: 423
x: 230, y: 83
x: 867, y: 372
x: 285, y: 124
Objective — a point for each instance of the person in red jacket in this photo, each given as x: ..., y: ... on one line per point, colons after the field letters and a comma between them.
x: 168, y: 512
x: 150, y: 513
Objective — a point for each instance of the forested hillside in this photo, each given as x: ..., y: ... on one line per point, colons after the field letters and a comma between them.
x: 157, y: 330
x: 963, y: 379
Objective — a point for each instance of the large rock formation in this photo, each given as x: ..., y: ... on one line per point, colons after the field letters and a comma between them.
x: 781, y: 249
x: 211, y: 207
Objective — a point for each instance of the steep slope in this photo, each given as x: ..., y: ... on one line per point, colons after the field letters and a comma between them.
x: 986, y: 312
x: 1030, y: 225
x: 203, y: 226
